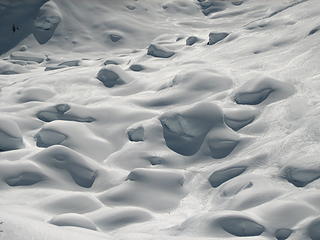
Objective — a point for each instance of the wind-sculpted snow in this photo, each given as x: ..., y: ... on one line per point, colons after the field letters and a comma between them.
x: 82, y: 171
x: 64, y: 64
x: 162, y: 188
x: 239, y: 118
x: 73, y: 220
x: 160, y: 52
x: 136, y: 134
x: 67, y: 133
x: 224, y: 225
x: 221, y: 142
x: 110, y: 219
x: 61, y: 112
x: 137, y: 67
x: 191, y: 40
x: 185, y: 131
x: 73, y: 202
x: 188, y: 86
x: 112, y: 75
x: 7, y: 68
x: 220, y: 176
x: 27, y: 56
x: 241, y: 227
x: 300, y: 177
x: 40, y: 94
x: 47, y: 138
x: 46, y: 22
x: 215, y: 37
x: 24, y: 173
x: 283, y: 233
x: 10, y: 135
x: 313, y: 229
x: 263, y: 90
x: 173, y: 119
x: 208, y: 6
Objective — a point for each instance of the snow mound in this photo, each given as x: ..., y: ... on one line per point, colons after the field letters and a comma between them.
x: 163, y: 188
x: 266, y: 90
x: 137, y: 67
x: 188, y: 86
x: 300, y: 177
x: 64, y: 160
x: 61, y: 112
x: 7, y: 68
x: 110, y: 219
x: 224, y: 225
x: 240, y: 226
x: 46, y: 22
x: 67, y: 133
x: 112, y: 75
x: 313, y: 229
x: 220, y: 176
x: 79, y: 203
x: 215, y: 37
x: 27, y: 56
x: 239, y: 118
x: 136, y: 134
x: 40, y: 94
x: 73, y: 220
x: 185, y: 131
x: 10, y: 135
x: 24, y: 173
x: 159, y: 51
x: 283, y: 233
x: 191, y: 40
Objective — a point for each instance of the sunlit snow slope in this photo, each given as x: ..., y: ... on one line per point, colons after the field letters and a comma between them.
x: 154, y: 119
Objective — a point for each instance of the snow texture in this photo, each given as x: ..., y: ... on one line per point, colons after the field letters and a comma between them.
x: 162, y: 119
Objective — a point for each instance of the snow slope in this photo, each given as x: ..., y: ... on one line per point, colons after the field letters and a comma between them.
x: 163, y: 119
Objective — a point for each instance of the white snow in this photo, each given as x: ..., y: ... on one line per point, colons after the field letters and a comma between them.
x: 162, y: 119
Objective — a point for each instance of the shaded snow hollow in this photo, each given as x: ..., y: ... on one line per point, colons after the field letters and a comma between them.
x: 164, y: 119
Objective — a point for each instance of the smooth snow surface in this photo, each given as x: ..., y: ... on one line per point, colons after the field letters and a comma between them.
x: 159, y: 119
